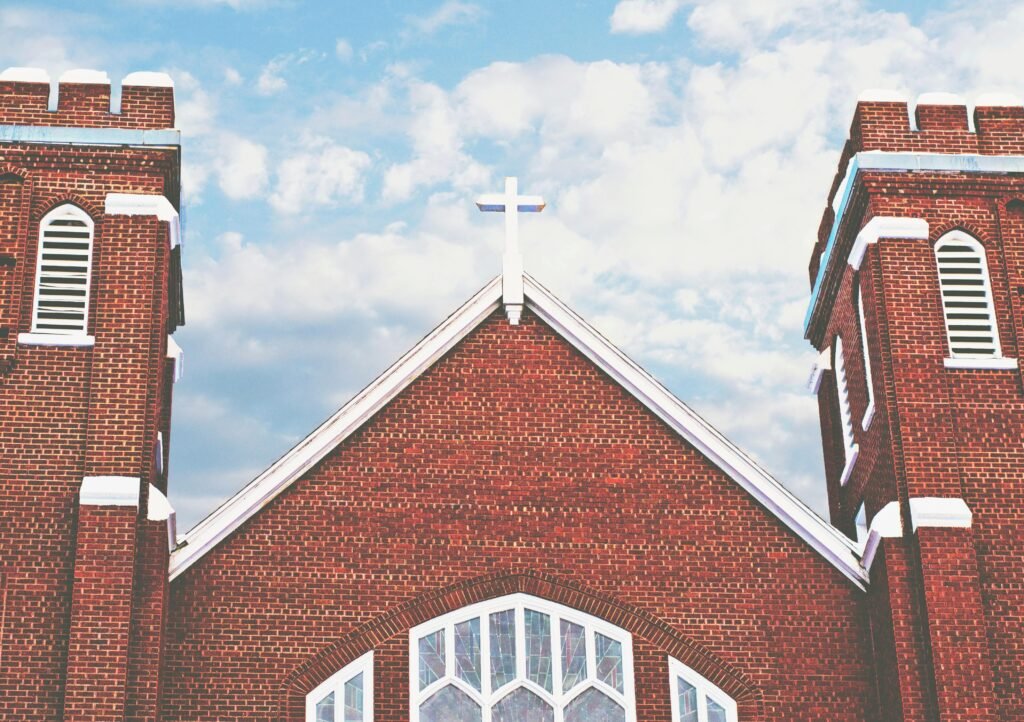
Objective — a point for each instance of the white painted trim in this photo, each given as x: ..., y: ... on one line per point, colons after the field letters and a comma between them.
x: 882, y: 95
x: 140, y: 204
x: 822, y: 536
x: 147, y: 79
x: 979, y: 363
x: 998, y: 100
x: 869, y: 381
x: 851, y: 458
x: 109, y: 491
x: 55, y: 339
x: 885, y: 227
x: 160, y: 509
x: 940, y: 99
x: 486, y: 697
x: 869, y: 415
x: 887, y: 523
x: 336, y: 683
x: 158, y: 453
x: 934, y: 512
x: 174, y: 351
x: 25, y: 75
x: 706, y: 689
x: 822, y: 364
x: 81, y: 75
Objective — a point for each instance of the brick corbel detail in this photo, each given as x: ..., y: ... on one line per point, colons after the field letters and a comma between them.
x: 670, y: 641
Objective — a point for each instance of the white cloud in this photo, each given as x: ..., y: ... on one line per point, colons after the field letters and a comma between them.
x: 643, y: 16
x: 451, y: 12
x: 232, y: 76
x: 240, y: 166
x: 323, y: 174
x: 271, y: 79
x: 343, y: 50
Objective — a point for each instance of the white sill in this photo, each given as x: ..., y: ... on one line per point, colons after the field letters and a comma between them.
x: 869, y: 414
x: 980, y: 363
x: 55, y: 339
x: 851, y: 458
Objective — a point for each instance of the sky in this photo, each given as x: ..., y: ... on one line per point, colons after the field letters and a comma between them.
x: 332, y: 151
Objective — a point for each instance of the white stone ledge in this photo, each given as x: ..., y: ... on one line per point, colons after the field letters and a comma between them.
x: 939, y: 512
x: 142, y: 204
x: 821, y: 365
x: 886, y: 227
x: 55, y: 339
x: 25, y: 75
x: 885, y: 524
x: 160, y: 509
x: 869, y: 415
x: 81, y: 75
x: 109, y: 491
x: 147, y: 79
x: 980, y: 363
x: 851, y: 458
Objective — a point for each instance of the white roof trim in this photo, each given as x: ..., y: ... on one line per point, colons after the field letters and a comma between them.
x: 152, y: 80
x: 25, y: 75
x: 823, y: 537
x: 109, y: 491
x: 81, y: 75
x: 142, y: 204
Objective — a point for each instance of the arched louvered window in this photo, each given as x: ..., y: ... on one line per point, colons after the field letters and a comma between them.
x: 869, y: 411
x: 966, y: 297
x: 845, y: 414
x: 520, y: 658
x: 695, y: 699
x: 346, y: 697
x: 62, y: 273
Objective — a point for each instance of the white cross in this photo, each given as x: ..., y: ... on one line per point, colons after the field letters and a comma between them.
x: 511, y: 204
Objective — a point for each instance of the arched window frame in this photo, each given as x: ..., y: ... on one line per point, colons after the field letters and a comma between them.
x: 869, y: 410
x: 958, y: 237
x: 706, y: 690
x: 63, y: 210
x: 487, y: 697
x: 850, y: 448
x: 336, y: 684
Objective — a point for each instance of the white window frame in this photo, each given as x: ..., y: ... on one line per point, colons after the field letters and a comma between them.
x: 869, y: 410
x: 336, y: 683
x: 961, y: 238
x: 705, y: 690
x: 850, y: 447
x: 487, y: 698
x: 63, y: 338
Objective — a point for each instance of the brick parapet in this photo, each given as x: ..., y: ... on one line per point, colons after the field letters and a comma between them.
x: 86, y: 105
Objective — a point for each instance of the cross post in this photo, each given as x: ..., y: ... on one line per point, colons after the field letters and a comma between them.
x: 511, y: 204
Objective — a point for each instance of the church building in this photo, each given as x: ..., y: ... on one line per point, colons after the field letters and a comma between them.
x: 515, y: 522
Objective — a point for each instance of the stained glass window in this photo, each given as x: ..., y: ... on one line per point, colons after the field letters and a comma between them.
x: 696, y: 699
x: 522, y: 706
x: 538, y: 648
x: 521, y: 659
x: 431, y: 658
x: 503, y: 648
x: 346, y: 696
x: 574, y: 655
x: 467, y: 652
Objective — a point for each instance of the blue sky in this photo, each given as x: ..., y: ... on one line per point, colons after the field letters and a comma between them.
x: 332, y: 151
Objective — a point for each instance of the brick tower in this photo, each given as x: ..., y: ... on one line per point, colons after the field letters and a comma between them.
x: 918, y: 281
x: 89, y: 291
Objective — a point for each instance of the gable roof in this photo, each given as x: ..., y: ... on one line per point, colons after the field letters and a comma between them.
x: 822, y: 536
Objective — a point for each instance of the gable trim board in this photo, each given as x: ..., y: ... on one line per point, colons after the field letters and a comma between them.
x: 828, y: 541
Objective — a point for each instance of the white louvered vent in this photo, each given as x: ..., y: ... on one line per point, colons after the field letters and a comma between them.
x: 62, y: 274
x: 966, y: 297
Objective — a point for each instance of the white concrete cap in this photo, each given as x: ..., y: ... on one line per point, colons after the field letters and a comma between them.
x: 109, y: 491
x: 25, y: 75
x: 93, y: 77
x: 152, y: 80
x: 881, y: 95
x: 940, y: 99
x: 998, y: 100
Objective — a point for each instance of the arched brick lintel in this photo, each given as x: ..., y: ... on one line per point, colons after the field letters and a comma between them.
x: 434, y: 603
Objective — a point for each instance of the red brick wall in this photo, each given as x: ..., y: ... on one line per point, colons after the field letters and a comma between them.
x: 47, y: 394
x: 86, y: 105
x: 514, y: 459
x: 939, y: 432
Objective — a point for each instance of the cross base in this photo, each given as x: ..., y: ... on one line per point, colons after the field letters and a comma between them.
x: 514, y: 311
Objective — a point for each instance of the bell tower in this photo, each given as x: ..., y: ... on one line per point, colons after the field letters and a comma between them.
x: 917, y: 313
x: 90, y: 291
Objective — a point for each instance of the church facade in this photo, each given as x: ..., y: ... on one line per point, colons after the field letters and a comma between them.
x: 515, y: 522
